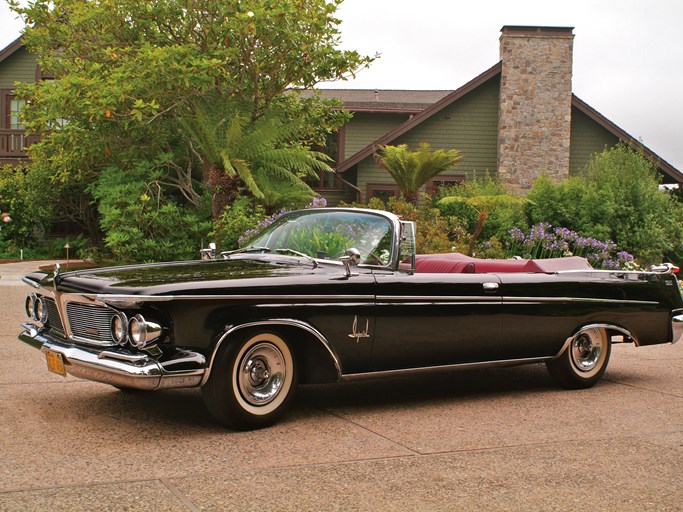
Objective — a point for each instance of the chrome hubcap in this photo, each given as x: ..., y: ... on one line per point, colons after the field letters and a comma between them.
x: 262, y: 373
x: 586, y: 350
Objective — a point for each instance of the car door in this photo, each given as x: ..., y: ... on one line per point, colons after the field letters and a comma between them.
x: 426, y: 320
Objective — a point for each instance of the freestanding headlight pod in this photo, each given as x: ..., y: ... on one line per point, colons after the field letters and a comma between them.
x: 142, y: 332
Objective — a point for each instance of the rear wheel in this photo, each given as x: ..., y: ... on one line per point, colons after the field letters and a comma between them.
x: 584, y: 360
x: 252, y: 383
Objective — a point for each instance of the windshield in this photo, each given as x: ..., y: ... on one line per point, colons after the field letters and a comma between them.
x: 328, y: 234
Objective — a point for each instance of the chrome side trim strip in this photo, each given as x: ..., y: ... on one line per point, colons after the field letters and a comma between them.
x: 277, y: 321
x: 349, y: 377
x: 114, y: 299
x: 541, y: 300
x: 429, y: 299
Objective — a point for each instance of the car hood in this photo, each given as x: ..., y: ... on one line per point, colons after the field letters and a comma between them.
x: 187, y: 277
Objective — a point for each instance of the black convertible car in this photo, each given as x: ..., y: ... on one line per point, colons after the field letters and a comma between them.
x: 325, y: 295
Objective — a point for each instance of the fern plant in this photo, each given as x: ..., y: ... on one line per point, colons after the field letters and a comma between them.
x: 412, y: 169
x: 260, y: 155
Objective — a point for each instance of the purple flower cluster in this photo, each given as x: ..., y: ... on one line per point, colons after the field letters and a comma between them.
x: 544, y: 241
x: 318, y: 202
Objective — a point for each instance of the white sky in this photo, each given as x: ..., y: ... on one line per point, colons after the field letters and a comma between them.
x: 628, y: 54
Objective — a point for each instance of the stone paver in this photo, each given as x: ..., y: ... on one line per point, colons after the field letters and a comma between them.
x: 496, y: 439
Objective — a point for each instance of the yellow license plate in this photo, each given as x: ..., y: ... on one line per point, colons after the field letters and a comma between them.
x: 55, y: 363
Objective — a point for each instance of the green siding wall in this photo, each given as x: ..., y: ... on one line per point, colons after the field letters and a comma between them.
x: 18, y: 67
x: 470, y: 125
x: 366, y: 128
x: 587, y: 139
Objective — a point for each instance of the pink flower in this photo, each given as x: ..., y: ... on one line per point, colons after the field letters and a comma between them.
x: 5, y: 217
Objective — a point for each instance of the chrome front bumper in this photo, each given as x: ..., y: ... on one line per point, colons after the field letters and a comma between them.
x: 119, y: 367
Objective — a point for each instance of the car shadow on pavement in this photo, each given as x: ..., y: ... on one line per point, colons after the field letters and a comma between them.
x: 183, y: 408
x: 428, y: 387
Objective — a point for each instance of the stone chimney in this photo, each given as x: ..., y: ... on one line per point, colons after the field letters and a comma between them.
x: 534, y: 123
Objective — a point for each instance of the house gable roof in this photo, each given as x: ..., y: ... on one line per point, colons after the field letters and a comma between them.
x: 381, y: 100
x: 420, y: 117
x: 453, y: 96
x: 618, y: 132
x: 11, y: 48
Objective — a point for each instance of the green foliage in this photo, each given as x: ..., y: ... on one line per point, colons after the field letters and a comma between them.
x: 503, y: 212
x: 142, y: 221
x: 412, y: 169
x: 486, y: 212
x: 617, y: 199
x: 124, y: 71
x: 15, y: 201
x: 313, y: 240
x: 234, y: 222
x: 260, y: 153
x: 435, y: 233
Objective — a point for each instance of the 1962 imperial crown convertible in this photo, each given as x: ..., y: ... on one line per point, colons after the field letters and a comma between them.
x: 327, y: 295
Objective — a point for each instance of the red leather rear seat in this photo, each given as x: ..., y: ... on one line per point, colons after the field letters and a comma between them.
x: 454, y: 262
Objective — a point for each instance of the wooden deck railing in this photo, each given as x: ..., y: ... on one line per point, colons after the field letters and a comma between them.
x: 13, y: 143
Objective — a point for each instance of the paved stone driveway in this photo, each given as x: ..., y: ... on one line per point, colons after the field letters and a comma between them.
x: 502, y: 439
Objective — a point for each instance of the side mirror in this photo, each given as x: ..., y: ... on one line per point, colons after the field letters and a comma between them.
x: 351, y: 257
x: 210, y: 253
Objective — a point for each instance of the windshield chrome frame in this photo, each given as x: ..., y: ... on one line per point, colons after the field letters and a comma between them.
x: 396, y: 233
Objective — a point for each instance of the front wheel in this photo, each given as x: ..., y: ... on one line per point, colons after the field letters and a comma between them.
x: 252, y: 382
x: 583, y: 361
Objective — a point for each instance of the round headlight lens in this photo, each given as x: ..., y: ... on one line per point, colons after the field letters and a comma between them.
x: 142, y: 332
x: 30, y: 306
x: 119, y: 326
x: 136, y: 330
x: 40, y: 311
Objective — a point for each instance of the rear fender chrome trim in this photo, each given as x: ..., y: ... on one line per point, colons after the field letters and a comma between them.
x: 275, y: 322
x: 625, y: 334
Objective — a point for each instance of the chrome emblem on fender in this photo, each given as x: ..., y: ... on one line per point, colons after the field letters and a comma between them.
x: 362, y: 334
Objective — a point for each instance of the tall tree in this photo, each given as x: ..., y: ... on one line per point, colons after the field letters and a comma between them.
x: 124, y: 70
x: 412, y: 169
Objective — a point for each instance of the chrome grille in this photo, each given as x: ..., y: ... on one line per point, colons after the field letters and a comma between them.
x: 53, y: 319
x: 90, y: 322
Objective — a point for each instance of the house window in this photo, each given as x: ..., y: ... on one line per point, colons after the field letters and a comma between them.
x: 14, y: 108
x: 434, y: 184
x: 326, y: 181
x: 382, y: 191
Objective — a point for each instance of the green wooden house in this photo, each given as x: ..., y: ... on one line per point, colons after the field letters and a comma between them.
x: 515, y: 121
x: 16, y: 65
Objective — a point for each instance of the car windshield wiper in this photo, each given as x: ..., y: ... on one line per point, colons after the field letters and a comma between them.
x: 296, y: 253
x: 225, y: 254
x: 279, y: 250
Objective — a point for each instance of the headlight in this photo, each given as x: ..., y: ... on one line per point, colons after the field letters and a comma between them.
x: 119, y: 328
x: 40, y: 311
x: 142, y: 332
x: 30, y: 306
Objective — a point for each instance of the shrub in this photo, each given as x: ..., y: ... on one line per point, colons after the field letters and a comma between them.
x: 616, y: 198
x: 435, y: 234
x: 141, y: 219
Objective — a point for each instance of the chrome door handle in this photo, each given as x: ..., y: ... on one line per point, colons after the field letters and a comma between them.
x: 490, y: 287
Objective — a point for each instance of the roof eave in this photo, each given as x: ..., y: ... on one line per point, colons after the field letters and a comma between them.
x: 11, y: 48
x: 626, y: 137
